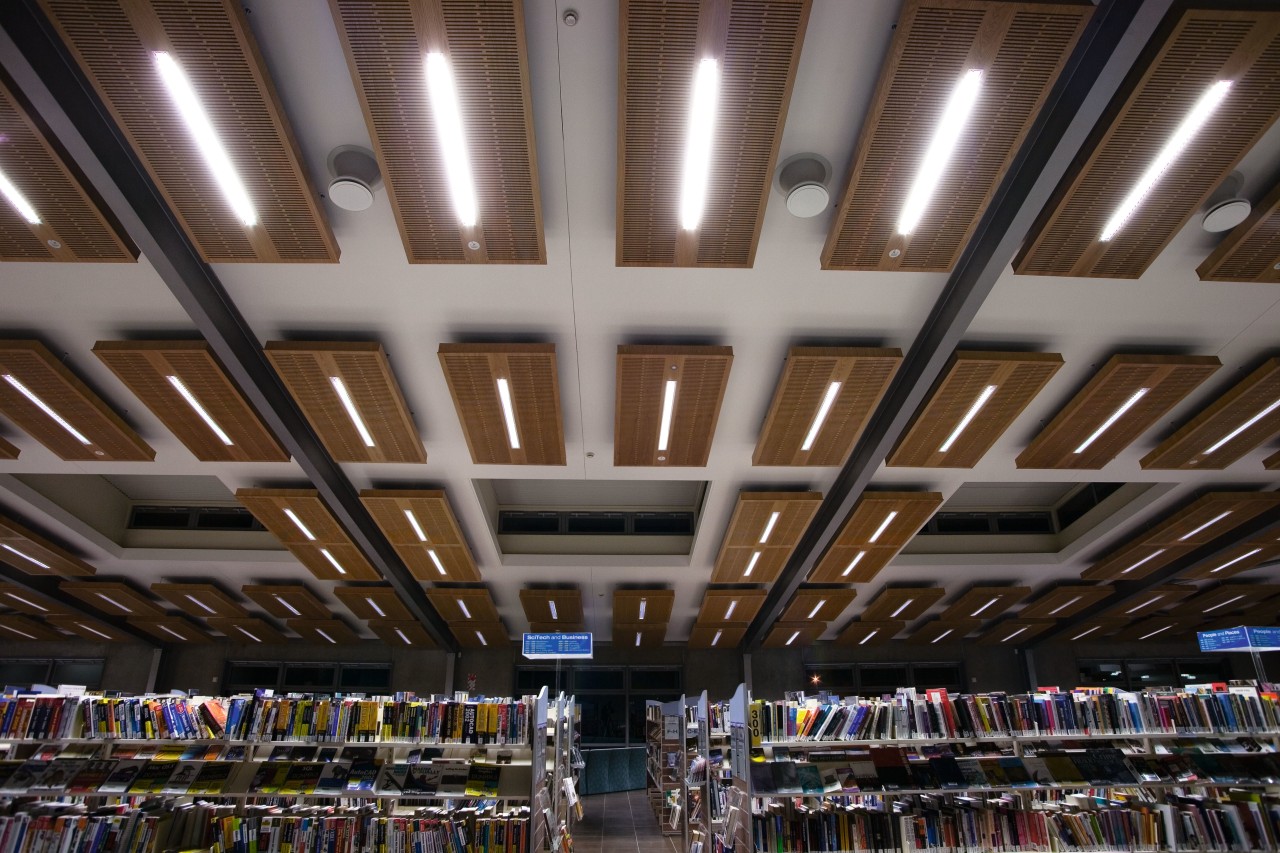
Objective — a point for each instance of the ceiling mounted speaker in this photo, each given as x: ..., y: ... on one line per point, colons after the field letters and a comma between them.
x: 1226, y: 208
x: 803, y: 179
x: 355, y: 177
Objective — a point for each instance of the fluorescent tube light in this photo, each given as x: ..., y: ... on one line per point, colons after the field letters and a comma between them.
x: 1062, y: 607
x: 200, y: 410
x: 1244, y: 426
x: 964, y: 97
x: 436, y: 560
x: 333, y: 561
x: 93, y: 630
x: 643, y: 602
x: 733, y: 605
x: 888, y: 519
x: 817, y: 607
x: 853, y: 564
x: 447, y: 113
x: 555, y: 617
x: 417, y: 528
x: 985, y: 606
x: 508, y: 414
x: 402, y: 636
x: 1156, y: 631
x: 1145, y: 559
x: 792, y: 639
x: 1115, y: 416
x: 1086, y: 633
x: 637, y: 638
x: 768, y: 528
x: 968, y: 416
x: 668, y: 407
x: 109, y: 600
x: 1205, y: 526
x: 942, y: 635
x: 480, y: 637
x: 322, y: 633
x: 27, y: 602
x: 206, y: 138
x: 1144, y: 604
x: 1224, y: 604
x: 874, y: 631
x: 462, y: 605
x: 751, y: 564
x: 198, y: 603
x: 901, y: 607
x: 347, y: 403
x: 46, y: 408
x: 19, y: 633
x: 697, y: 146
x: 1230, y: 563
x: 170, y: 632
x: 1186, y: 131
x: 19, y: 201
x: 288, y: 606
x: 25, y: 556
x: 376, y: 609
x: 247, y: 634
x: 824, y: 409
x: 293, y: 516
x: 1014, y: 634
x: 716, y: 638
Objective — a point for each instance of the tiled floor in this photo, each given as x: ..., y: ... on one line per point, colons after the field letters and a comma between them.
x: 621, y: 823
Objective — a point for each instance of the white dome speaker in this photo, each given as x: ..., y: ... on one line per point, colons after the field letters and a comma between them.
x: 802, y: 180
x: 1226, y: 208
x: 355, y: 177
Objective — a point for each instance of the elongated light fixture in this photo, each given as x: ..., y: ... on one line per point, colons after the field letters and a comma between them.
x: 853, y: 564
x: 19, y: 633
x: 417, y: 528
x: 206, y: 138
x: 555, y: 617
x: 247, y: 634
x: 1244, y: 426
x: 888, y: 519
x: 968, y: 416
x: 198, y: 603
x: 324, y: 634
x: 768, y: 528
x: 200, y: 410
x: 643, y: 602
x: 1062, y: 607
x: 792, y: 638
x: 668, y: 409
x: 1225, y: 603
x: 697, y: 146
x: 18, y: 200
x: 728, y: 611
x: 109, y: 600
x: 480, y: 637
x: 340, y: 388
x: 1086, y: 633
x: 508, y: 414
x: 1115, y: 416
x: 874, y: 631
x: 25, y: 556
x: 287, y: 606
x: 46, y: 408
x: 93, y: 630
x: 435, y: 559
x: 941, y: 636
x: 1014, y: 634
x: 985, y: 606
x: 376, y: 609
x: 1186, y: 131
x: 1231, y: 563
x: 402, y: 636
x: 171, y: 632
x: 297, y: 522
x: 751, y: 564
x: 964, y: 97
x: 1156, y: 631
x: 1210, y: 523
x: 901, y: 607
x: 462, y: 605
x: 824, y: 409
x: 333, y: 561
x: 817, y: 607
x: 1144, y: 604
x: 27, y: 602
x: 447, y: 113
x: 1144, y: 560
x: 716, y: 638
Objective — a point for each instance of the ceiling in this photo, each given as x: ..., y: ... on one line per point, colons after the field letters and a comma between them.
x: 386, y: 288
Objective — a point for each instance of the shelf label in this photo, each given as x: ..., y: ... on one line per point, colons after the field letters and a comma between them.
x: 1240, y: 640
x: 557, y: 646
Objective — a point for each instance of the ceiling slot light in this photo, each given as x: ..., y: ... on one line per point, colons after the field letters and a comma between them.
x: 462, y: 605
x: 1210, y: 523
x: 322, y: 633
x: 1230, y: 563
x: 402, y: 636
x: 1062, y: 607
x: 1144, y: 604
x: 93, y: 630
x: 792, y: 639
x: 247, y: 634
x: 828, y: 400
x: 293, y: 516
x: 901, y: 607
x: 295, y: 611
x: 1156, y: 631
x: 817, y: 607
x: 555, y: 617
x: 200, y: 410
x: 27, y: 602
x: 888, y: 519
x: 637, y: 638
x: 751, y: 564
x: 340, y: 389
x: 333, y: 561
x: 716, y: 638
x: 480, y: 637
x: 436, y: 560
x: 985, y: 606
x: 728, y: 611
x: 27, y: 557
x: 643, y: 602
x: 1014, y: 634
x: 417, y: 528
x: 19, y: 201
x: 1086, y: 633
x: 206, y: 138
x: 109, y: 600
x: 198, y: 603
x: 1145, y: 559
x: 968, y: 416
x: 508, y: 414
x: 170, y: 632
x: 1244, y: 426
x: 768, y: 528
x: 941, y: 636
x: 1115, y: 416
x: 19, y: 633
x: 46, y: 408
x: 1186, y: 131
x: 964, y: 97
x: 874, y: 631
x: 1225, y: 603
x: 376, y: 608
x: 447, y: 113
x: 697, y: 150
x: 853, y: 564
x: 668, y: 406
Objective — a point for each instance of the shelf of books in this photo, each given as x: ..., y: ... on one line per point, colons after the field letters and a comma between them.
x: 708, y: 777
x: 665, y: 741
x: 1193, y: 769
x: 157, y: 773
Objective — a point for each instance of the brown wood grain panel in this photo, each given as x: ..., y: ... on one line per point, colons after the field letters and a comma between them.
x: 852, y: 556
x: 172, y: 630
x: 201, y: 600
x: 14, y: 628
x: 861, y: 632
x: 373, y: 602
x: 1014, y: 632
x: 90, y: 629
x: 1150, y: 600
x: 1092, y: 630
x: 902, y: 603
x: 285, y: 601
x: 323, y: 632
x: 657, y: 605
x: 645, y: 635
x: 537, y: 604
x: 28, y: 601
x: 32, y: 553
x: 1221, y: 601
x: 8, y: 451
x: 1272, y: 462
x: 440, y: 553
x: 114, y: 598
x: 793, y: 634
x: 249, y: 632
x: 457, y: 605
x: 727, y: 635
x: 478, y: 635
x: 1158, y: 629
x: 983, y: 602
x: 751, y: 518
x: 726, y: 606
x: 819, y: 604
x: 397, y: 633
x: 942, y: 630
x: 1064, y: 601
x: 1234, y: 560
x: 1251, y: 251
x: 323, y: 534
x: 701, y: 374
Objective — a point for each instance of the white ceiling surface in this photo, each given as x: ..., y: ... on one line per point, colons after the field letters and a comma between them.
x: 586, y: 306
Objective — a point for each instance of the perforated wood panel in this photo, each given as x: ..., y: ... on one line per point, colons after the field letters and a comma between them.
x: 1093, y: 630
x: 984, y: 602
x: 15, y: 628
x: 722, y: 606
x: 1151, y: 600
x: 112, y: 597
x: 90, y: 629
x: 553, y: 607
x: 247, y: 631
x: 901, y: 603
x: 479, y: 636
x: 1015, y: 632
x: 655, y: 604
x: 401, y: 633
x: 820, y: 604
x: 852, y: 556
x: 114, y: 40
x: 1016, y: 377
x: 386, y: 44
x: 1065, y: 441
x: 860, y: 632
x: 1221, y: 601
x: 1158, y: 629
x: 373, y: 602
x: 1251, y: 252
x: 863, y: 375
x: 1193, y: 50
x: 938, y: 631
x: 639, y: 635
x: 30, y: 552
x: 145, y: 366
x: 74, y: 224
x: 743, y: 558
x: 701, y: 374
x: 793, y: 634
x: 757, y: 46
x: 1214, y: 438
x: 285, y: 601
x: 201, y: 600
x: 473, y: 372
x: 172, y: 630
x: 27, y: 601
x: 1020, y: 48
x: 464, y: 605
x: 1200, y: 522
x: 101, y: 434
x: 440, y: 553
x: 7, y: 450
x: 323, y: 632
x: 326, y: 534
x: 1064, y: 601
x: 716, y: 636
x: 1234, y: 560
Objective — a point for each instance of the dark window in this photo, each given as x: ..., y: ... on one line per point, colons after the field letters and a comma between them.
x: 1151, y: 673
x: 86, y: 672
x: 306, y: 676
x: 948, y: 676
x: 656, y: 679
x: 251, y: 675
x: 604, y: 718
x: 664, y: 523
x: 875, y: 679
x: 1024, y: 522
x: 611, y: 523
x: 24, y: 672
x: 962, y: 522
x: 837, y: 679
x: 598, y: 679
x: 371, y: 677
x: 1085, y: 499
x: 1203, y: 670
x: 1137, y: 674
x: 1102, y: 673
x: 530, y: 680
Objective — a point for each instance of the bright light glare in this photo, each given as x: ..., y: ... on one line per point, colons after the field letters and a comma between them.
x: 729, y: 610
x: 874, y: 631
x: 508, y: 414
x: 16, y: 597
x: 375, y: 606
x: 1115, y: 416
x: 697, y: 150
x: 293, y: 516
x: 985, y: 606
x: 888, y: 519
x: 1014, y: 634
x: 1231, y: 563
x: 716, y: 638
x: 200, y: 410
x: 768, y: 528
x: 417, y: 528
x: 792, y: 639
x: 555, y: 616
x: 833, y: 390
x: 333, y: 561
x: 322, y: 633
x: 968, y: 416
x: 46, y: 408
x: 447, y: 113
x: 853, y: 564
x: 340, y: 389
x: 1086, y: 633
x: 1156, y: 631
x: 817, y: 607
x: 1145, y: 559
x: 1244, y: 426
x: 1210, y: 523
x: 751, y: 564
x: 436, y: 561
x: 288, y: 606
x: 27, y: 557
x: 941, y: 636
x: 901, y: 607
x: 18, y: 200
x: 964, y: 97
x: 402, y: 636
x: 462, y: 605
x: 668, y: 408
x: 198, y: 603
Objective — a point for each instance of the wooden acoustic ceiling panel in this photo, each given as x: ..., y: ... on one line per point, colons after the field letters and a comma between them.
x: 396, y: 633
x: 1120, y: 403
x: 323, y: 632
x: 1221, y: 601
x: 1158, y: 629
x: 793, y: 634
x: 8, y: 451
x: 29, y: 601
x: 1202, y: 521
x: 710, y: 635
x: 478, y: 635
x: 645, y: 373
x: 1150, y: 600
x: 1064, y: 601
x: 90, y: 629
x: 470, y: 605
x: 942, y: 630
x: 47, y: 401
x: 30, y: 552
x: 860, y: 632
x: 114, y: 598
x: 642, y: 606
x: 1091, y: 630
x: 854, y: 378
x: 20, y: 628
x: 724, y: 606
x: 1234, y: 560
x: 978, y: 398
x: 386, y: 45
x: 172, y: 629
x: 1015, y: 632
x: 763, y: 532
x: 364, y: 372
x: 552, y: 607
x: 201, y: 600
x: 476, y: 374
x: 1242, y: 419
x: 285, y: 601
x: 645, y: 635
x: 756, y: 44
x: 819, y: 604
x: 1194, y: 49
x: 1272, y: 462
x: 114, y: 42
x: 304, y: 525
x: 984, y: 602
x: 247, y: 631
x: 1020, y: 49
x: 902, y: 603
x: 422, y: 528
x: 878, y: 527
x: 159, y: 372
x: 1251, y: 252
x: 72, y: 222
x: 373, y: 602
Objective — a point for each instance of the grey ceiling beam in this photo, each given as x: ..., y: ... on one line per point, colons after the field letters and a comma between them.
x: 50, y: 78
x: 47, y: 586
x: 1108, y: 48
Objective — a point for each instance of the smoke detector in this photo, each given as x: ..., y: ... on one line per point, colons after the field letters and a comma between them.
x: 355, y: 177
x: 802, y: 179
x: 1226, y: 208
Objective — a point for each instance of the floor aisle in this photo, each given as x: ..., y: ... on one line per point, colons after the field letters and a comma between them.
x: 621, y: 823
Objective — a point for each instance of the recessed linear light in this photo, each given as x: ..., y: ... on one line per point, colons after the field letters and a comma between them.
x: 751, y: 564
x: 817, y: 607
x: 1115, y: 416
x: 447, y: 113
x: 853, y: 564
x: 402, y: 636
x: 333, y: 561
x: 1244, y: 426
x: 18, y: 200
x: 820, y: 417
x: 198, y: 603
x: 1225, y: 603
x: 1062, y: 607
x: 481, y: 638
x: 637, y: 638
x: 19, y: 633
x: 985, y: 606
x: 26, y: 557
x: 293, y: 516
x: 768, y: 528
x: 728, y: 611
x: 901, y: 607
x: 436, y: 560
x: 417, y: 528
x: 462, y: 605
x: 1210, y: 523
x: 1230, y: 563
x: 109, y: 600
x: 968, y: 416
x: 206, y: 138
x: 322, y: 633
x: 555, y: 617
x: 93, y: 630
x: 942, y: 635
x: 1014, y: 634
x: 643, y: 602
x: 1186, y: 131
x: 1144, y: 604
x: 1086, y: 633
x: 340, y: 388
x: 200, y: 410
x: 964, y: 97
x: 668, y: 408
x: 888, y: 519
x: 697, y: 145
x: 874, y: 631
x: 247, y: 634
x: 508, y: 414
x: 46, y: 408
x: 17, y: 597
x: 1156, y: 631
x: 374, y: 605
x: 170, y: 632
x: 792, y: 639
x: 1145, y: 559
x: 716, y: 638
x: 295, y: 611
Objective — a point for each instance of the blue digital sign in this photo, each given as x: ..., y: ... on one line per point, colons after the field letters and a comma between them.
x: 1264, y: 639
x: 1240, y: 640
x: 559, y: 645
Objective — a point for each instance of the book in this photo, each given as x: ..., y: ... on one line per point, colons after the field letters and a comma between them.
x: 57, y: 775
x: 334, y: 778
x: 891, y: 767
x: 212, y: 778
x: 303, y: 777
x: 482, y: 780
x: 453, y: 780
x: 1016, y: 772
x: 947, y: 771
x: 183, y: 776
x: 122, y: 776
x: 152, y: 777
x: 91, y: 776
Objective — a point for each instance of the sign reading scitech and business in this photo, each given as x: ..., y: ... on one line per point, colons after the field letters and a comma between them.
x: 558, y: 645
